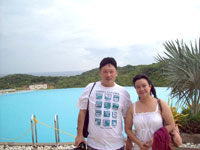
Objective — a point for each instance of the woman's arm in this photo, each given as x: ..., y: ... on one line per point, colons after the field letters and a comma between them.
x: 167, y: 116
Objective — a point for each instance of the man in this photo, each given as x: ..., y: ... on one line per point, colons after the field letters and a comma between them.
x: 108, y: 102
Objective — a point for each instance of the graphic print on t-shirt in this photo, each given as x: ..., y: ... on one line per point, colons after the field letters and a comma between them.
x: 107, y: 105
x: 106, y: 109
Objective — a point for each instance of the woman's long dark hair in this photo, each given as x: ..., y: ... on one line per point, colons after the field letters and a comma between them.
x: 142, y: 76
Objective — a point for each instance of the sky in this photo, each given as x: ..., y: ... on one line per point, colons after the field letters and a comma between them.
x: 75, y: 35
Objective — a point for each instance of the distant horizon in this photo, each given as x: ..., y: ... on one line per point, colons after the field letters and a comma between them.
x: 58, y: 73
x: 62, y: 73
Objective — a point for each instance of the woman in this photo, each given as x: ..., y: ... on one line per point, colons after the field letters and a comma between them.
x: 145, y: 115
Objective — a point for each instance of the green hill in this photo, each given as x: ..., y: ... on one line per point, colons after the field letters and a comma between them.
x: 125, y: 75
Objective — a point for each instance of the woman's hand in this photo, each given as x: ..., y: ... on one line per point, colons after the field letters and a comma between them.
x: 144, y: 146
x: 149, y: 143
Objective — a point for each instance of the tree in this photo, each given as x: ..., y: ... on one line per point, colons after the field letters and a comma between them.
x: 182, y: 68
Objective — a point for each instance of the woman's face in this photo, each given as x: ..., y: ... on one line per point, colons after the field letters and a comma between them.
x: 143, y: 88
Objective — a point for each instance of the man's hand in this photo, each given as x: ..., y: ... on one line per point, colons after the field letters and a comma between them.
x: 78, y: 140
x: 128, y: 144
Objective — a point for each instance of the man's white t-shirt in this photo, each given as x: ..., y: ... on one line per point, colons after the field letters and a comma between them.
x: 107, y: 105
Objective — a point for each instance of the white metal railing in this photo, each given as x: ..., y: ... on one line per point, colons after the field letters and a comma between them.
x: 32, y: 126
x: 56, y: 125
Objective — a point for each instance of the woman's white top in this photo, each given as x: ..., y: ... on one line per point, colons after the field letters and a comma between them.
x: 146, y: 124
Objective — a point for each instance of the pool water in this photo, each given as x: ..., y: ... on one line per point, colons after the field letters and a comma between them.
x: 16, y: 110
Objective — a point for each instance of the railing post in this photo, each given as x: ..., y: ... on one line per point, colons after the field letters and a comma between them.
x: 32, y: 119
x: 55, y: 130
x: 36, y: 132
x: 56, y: 124
x: 32, y: 129
x: 58, y: 130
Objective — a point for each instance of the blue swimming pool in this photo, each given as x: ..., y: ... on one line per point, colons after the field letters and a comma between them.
x: 16, y: 110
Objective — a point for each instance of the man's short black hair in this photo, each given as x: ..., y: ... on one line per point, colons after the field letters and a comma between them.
x: 108, y: 60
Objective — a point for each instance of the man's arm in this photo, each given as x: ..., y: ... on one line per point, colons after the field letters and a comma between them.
x: 81, y: 119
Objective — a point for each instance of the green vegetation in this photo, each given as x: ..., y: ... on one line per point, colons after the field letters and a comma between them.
x: 191, y: 122
x: 125, y: 75
x: 178, y: 117
x: 187, y: 122
x: 182, y: 69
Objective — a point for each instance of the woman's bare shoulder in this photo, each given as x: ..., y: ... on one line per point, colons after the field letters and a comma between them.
x: 164, y: 104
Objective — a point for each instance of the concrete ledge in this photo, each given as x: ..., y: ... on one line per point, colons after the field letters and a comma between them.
x: 39, y: 144
x: 181, y: 148
x: 190, y: 138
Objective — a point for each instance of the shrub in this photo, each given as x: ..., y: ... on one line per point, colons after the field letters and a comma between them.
x: 190, y: 123
x: 178, y: 117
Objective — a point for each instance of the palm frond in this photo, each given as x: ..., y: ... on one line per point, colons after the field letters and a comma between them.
x: 182, y: 67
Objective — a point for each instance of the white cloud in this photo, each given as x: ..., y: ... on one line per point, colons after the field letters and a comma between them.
x: 60, y: 35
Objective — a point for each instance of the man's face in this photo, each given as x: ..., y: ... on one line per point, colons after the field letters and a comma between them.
x: 108, y: 74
